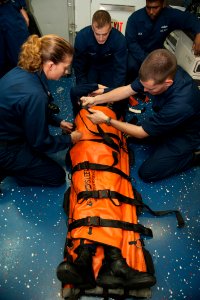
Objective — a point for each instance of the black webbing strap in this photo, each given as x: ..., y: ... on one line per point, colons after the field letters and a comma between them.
x: 160, y: 213
x: 112, y: 145
x: 86, y: 165
x: 109, y: 134
x: 66, y: 201
x: 107, y: 137
x: 132, y: 201
x: 107, y: 194
x: 99, y: 222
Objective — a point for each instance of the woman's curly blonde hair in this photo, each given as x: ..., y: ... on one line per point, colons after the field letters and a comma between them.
x: 37, y: 50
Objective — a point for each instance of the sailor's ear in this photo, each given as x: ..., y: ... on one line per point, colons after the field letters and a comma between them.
x: 50, y: 64
x: 168, y: 82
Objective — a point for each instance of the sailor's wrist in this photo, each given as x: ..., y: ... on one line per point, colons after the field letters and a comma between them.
x: 108, y: 121
x: 95, y: 102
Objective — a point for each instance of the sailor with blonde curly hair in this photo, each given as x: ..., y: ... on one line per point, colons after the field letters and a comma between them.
x: 25, y: 140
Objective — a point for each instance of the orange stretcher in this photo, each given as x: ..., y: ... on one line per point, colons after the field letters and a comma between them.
x: 102, y: 207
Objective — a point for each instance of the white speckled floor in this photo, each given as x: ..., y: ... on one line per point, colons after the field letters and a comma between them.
x: 33, y: 230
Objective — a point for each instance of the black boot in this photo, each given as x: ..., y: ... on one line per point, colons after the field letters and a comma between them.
x: 80, y: 272
x: 115, y: 273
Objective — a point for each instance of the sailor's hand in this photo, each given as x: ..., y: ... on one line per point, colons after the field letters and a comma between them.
x: 87, y: 101
x: 97, y: 116
x: 76, y: 136
x: 101, y: 86
x: 99, y: 91
x: 66, y: 126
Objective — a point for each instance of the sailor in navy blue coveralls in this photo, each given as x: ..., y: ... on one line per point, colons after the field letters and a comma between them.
x: 144, y: 35
x: 25, y: 141
x: 98, y: 63
x: 13, y: 33
x: 175, y: 124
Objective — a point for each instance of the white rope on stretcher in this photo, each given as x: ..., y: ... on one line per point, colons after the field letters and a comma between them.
x: 136, y: 111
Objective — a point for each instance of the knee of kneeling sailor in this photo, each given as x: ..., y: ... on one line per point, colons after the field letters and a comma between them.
x: 147, y: 174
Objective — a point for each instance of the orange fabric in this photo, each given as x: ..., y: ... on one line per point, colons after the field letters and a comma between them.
x: 146, y: 99
x: 133, y: 101
x: 93, y: 180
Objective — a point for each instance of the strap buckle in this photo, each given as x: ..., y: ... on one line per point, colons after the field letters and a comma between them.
x: 93, y: 221
x: 137, y: 244
x: 104, y: 194
x: 84, y: 165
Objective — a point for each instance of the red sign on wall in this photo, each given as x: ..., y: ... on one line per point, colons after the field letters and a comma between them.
x: 118, y: 25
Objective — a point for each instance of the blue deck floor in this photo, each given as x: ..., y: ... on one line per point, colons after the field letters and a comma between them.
x: 33, y: 230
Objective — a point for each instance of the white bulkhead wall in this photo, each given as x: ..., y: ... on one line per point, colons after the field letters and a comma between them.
x: 66, y: 17
x: 51, y: 16
x: 119, y: 10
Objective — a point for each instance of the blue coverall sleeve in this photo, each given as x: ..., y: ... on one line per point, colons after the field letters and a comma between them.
x: 23, y: 3
x: 184, y: 21
x: 80, y: 60
x: 134, y: 47
x: 137, y: 86
x: 19, y: 3
x: 35, y: 124
x: 120, y: 63
x: 168, y: 119
x: 173, y: 18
